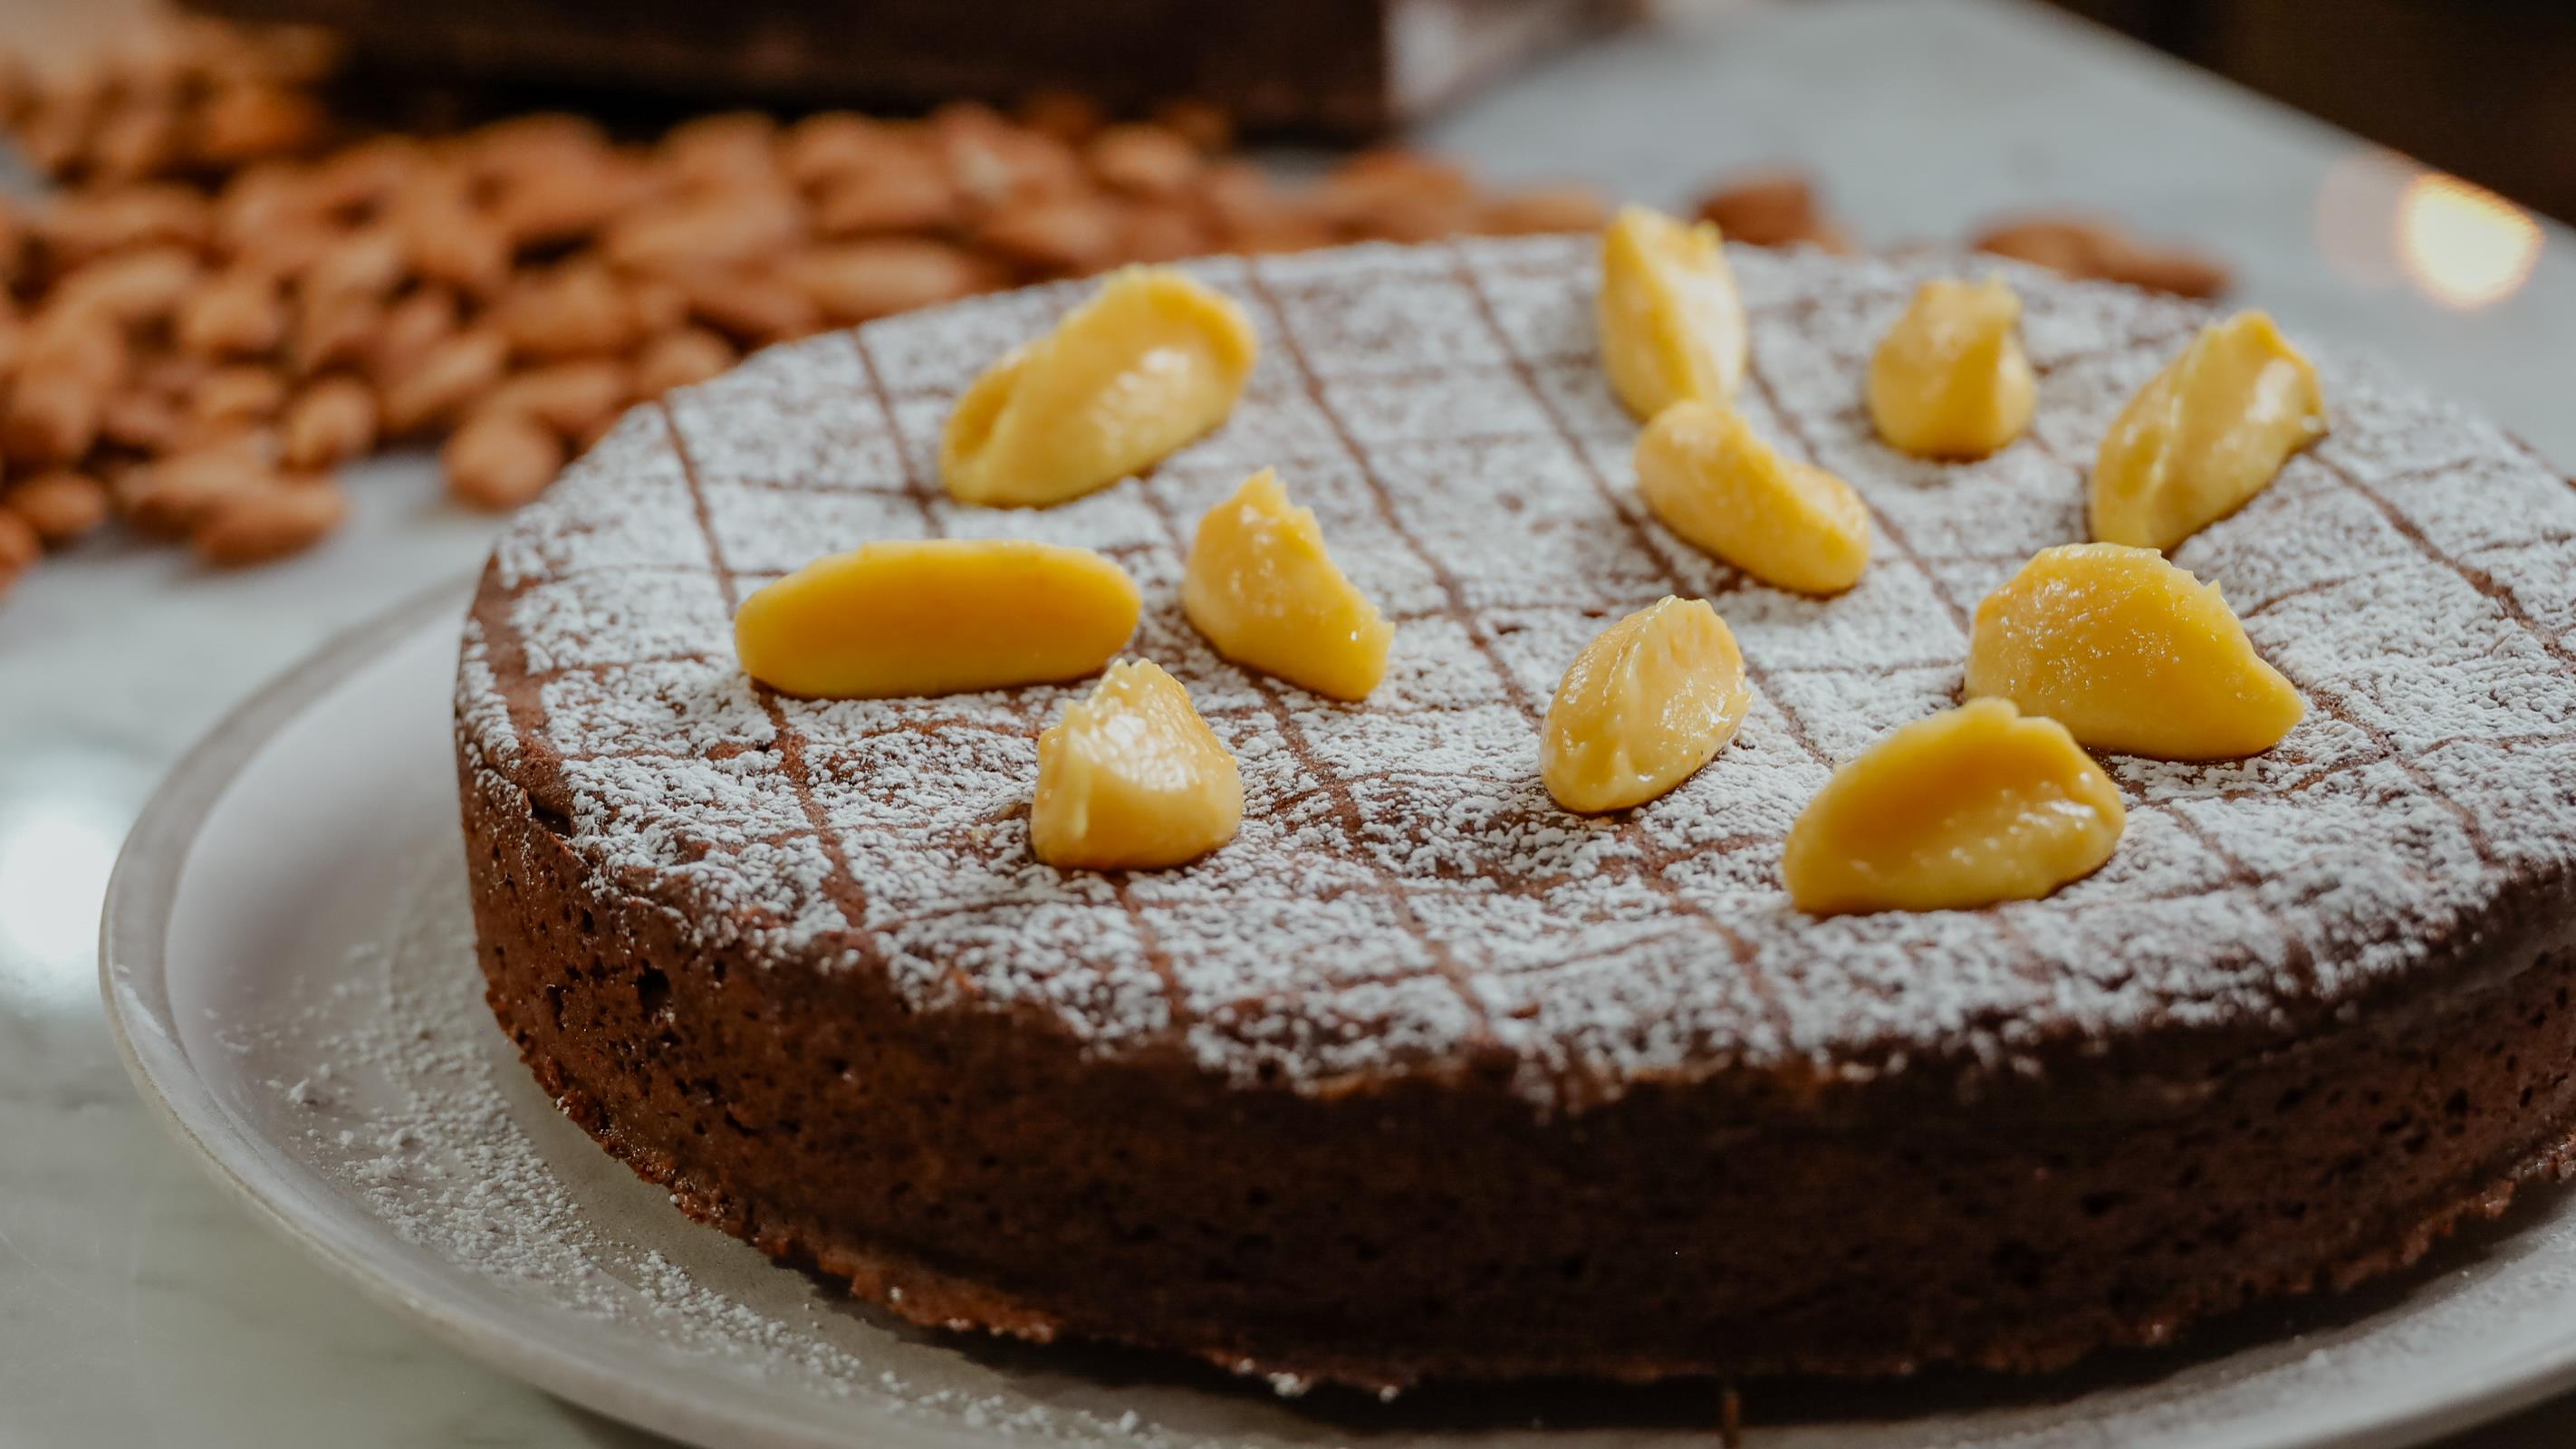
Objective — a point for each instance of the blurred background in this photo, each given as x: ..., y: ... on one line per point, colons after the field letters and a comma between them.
x: 300, y: 298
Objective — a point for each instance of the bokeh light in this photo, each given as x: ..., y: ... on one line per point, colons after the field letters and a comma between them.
x: 2464, y: 245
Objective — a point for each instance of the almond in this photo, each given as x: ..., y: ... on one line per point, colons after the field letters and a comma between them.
x: 447, y: 379
x: 331, y: 421
x: 573, y: 399
x: 449, y: 243
x: 1143, y: 160
x: 367, y: 263
x: 546, y: 143
x: 855, y: 281
x: 992, y: 161
x: 336, y: 331
x: 1076, y: 234
x: 712, y: 229
x: 575, y: 309
x: 19, y: 547
x: 834, y: 143
x: 52, y: 417
x: 1163, y: 232
x: 907, y: 192
x: 172, y: 495
x: 242, y: 392
x: 135, y: 141
x: 268, y: 521
x: 148, y: 422
x: 680, y: 358
x: 82, y: 225
x: 752, y: 306
x: 407, y: 332
x: 233, y: 315
x: 565, y: 202
x: 501, y: 460
x: 239, y: 122
x: 1543, y: 209
x: 735, y: 148
x: 60, y: 506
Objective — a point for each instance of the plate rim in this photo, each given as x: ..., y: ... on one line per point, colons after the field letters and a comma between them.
x: 133, y: 978
x: 133, y: 975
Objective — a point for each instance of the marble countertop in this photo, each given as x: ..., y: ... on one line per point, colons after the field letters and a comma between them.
x: 138, y: 1307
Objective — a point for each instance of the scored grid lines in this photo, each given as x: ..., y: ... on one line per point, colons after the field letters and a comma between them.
x: 1643, y: 537
x: 844, y: 888
x: 1563, y: 879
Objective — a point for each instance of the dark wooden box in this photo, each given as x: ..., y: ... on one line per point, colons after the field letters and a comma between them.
x: 1338, y: 67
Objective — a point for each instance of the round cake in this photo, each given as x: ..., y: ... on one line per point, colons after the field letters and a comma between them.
x: 1422, y: 1076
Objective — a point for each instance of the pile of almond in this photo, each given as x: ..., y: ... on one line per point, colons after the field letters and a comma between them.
x: 224, y: 302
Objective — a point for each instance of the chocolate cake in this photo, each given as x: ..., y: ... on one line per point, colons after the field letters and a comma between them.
x: 1423, y: 1076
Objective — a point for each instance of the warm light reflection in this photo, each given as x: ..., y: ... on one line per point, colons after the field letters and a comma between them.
x: 2464, y: 245
x: 56, y: 851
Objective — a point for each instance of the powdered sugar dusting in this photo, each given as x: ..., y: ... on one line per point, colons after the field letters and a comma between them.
x: 402, y: 1107
x: 1402, y: 890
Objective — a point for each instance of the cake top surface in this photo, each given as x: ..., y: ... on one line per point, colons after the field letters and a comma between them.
x: 1403, y: 892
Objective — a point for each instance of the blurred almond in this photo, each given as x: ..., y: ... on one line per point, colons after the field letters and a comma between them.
x: 678, y: 359
x: 709, y: 230
x: 1543, y: 209
x: 131, y: 287
x: 406, y: 331
x: 232, y: 315
x: 654, y: 304
x: 267, y: 521
x: 136, y: 141
x: 241, y: 122
x: 500, y: 461
x: 735, y: 148
x: 1163, y: 232
x: 1067, y: 116
x: 1771, y: 209
x: 1143, y: 160
x: 79, y: 226
x: 751, y: 305
x: 449, y: 243
x: 571, y: 399
x: 19, y: 547
x: 52, y: 418
x: 242, y: 392
x: 836, y: 143
x: 331, y: 331
x: 558, y: 205
x: 855, y: 281
x: 575, y: 309
x: 368, y: 263
x: 993, y: 162
x: 60, y: 505
x: 449, y: 377
x: 172, y: 495
x: 147, y: 422
x: 1076, y: 234
x: 545, y: 143
x: 909, y: 193
x: 332, y: 421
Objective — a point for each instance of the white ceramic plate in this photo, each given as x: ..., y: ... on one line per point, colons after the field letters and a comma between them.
x: 288, y: 962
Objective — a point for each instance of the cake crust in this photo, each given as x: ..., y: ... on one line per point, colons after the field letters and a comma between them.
x: 1423, y: 1077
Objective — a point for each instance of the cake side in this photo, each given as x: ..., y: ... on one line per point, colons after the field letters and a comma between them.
x: 982, y: 1170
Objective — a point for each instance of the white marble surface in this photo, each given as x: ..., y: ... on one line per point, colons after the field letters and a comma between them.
x: 138, y: 1307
